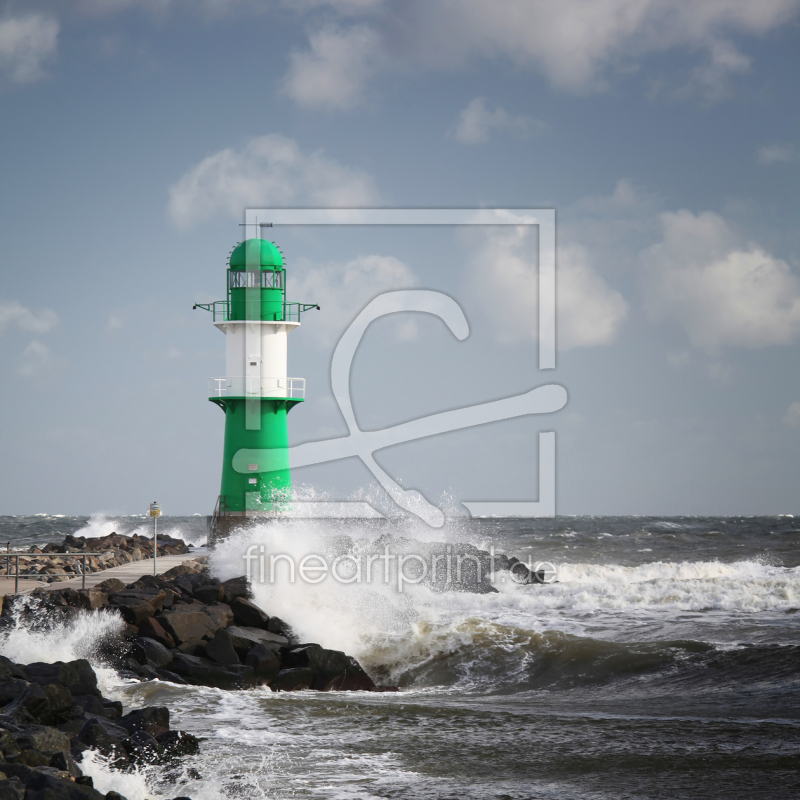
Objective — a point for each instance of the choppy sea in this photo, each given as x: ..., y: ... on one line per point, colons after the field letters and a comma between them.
x: 664, y: 662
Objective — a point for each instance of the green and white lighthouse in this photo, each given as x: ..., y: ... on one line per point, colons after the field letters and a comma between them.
x: 256, y: 393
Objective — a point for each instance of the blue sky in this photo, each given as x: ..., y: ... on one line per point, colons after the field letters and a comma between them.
x: 665, y: 134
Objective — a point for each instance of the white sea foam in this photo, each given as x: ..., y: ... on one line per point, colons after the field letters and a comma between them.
x: 382, y: 626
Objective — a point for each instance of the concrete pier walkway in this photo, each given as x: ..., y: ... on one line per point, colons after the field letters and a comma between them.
x: 127, y: 573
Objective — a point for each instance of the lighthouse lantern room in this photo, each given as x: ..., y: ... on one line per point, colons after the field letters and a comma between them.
x: 256, y: 393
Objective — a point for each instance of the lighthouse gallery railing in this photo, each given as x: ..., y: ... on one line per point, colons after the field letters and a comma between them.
x: 291, y: 311
x: 255, y: 386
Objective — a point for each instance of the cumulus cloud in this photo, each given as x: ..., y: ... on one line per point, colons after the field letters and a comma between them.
x: 477, y: 122
x: 777, y: 154
x: 14, y: 315
x: 333, y: 73
x: 343, y: 289
x: 268, y: 171
x: 722, y: 292
x: 26, y: 44
x: 504, y: 276
x: 576, y: 44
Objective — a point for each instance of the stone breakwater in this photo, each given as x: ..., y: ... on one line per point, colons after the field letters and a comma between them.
x: 184, y: 626
x: 51, y: 714
x: 187, y: 627
x: 103, y: 552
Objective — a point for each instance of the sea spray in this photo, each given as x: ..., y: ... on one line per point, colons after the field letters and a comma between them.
x: 32, y: 635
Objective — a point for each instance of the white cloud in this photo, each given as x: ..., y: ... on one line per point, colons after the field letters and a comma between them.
x: 270, y: 170
x: 35, y: 359
x: 14, y: 314
x: 334, y: 72
x: 712, y: 80
x: 477, y: 122
x: 792, y: 416
x: 26, y: 44
x: 720, y: 291
x: 342, y: 290
x: 777, y: 154
x: 504, y: 276
x: 576, y: 44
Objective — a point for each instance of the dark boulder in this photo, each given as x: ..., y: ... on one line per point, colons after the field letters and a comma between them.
x: 209, y: 592
x: 136, y: 606
x: 221, y: 614
x: 220, y: 649
x: 43, y: 785
x: 155, y: 652
x: 187, y: 626
x: 243, y: 639
x: 202, y: 672
x: 292, y: 680
x: 151, y: 628
x: 103, y: 735
x: 64, y: 762
x: 265, y: 662
x: 333, y: 669
x: 278, y: 626
x: 62, y: 703
x: 111, y: 585
x: 42, y: 738
x: 248, y: 614
x: 178, y: 743
x: 235, y: 587
x: 78, y: 676
x: 25, y: 702
x: 153, y: 719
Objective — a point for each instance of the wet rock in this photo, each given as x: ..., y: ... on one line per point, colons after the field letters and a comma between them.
x: 220, y: 649
x: 103, y: 735
x: 168, y: 675
x: 43, y: 738
x: 136, y: 606
x: 278, y: 626
x: 154, y: 720
x: 187, y: 626
x: 333, y: 669
x: 243, y: 639
x: 64, y: 762
x: 235, y: 587
x: 78, y: 676
x: 292, y: 680
x: 220, y: 613
x: 42, y: 785
x: 265, y: 662
x: 209, y: 593
x: 178, y: 743
x: 151, y: 628
x: 155, y: 652
x: 248, y: 614
x: 202, y: 672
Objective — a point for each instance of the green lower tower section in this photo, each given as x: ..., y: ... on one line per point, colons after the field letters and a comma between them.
x: 262, y: 482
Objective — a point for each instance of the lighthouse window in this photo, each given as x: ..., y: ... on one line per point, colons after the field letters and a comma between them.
x: 255, y: 279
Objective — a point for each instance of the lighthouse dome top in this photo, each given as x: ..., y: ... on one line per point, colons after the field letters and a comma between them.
x: 256, y: 253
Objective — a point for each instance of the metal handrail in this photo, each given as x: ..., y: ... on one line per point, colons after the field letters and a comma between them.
x: 257, y: 386
x: 17, y: 556
x: 291, y: 311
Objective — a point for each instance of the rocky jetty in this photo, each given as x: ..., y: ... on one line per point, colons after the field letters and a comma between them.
x: 187, y: 627
x: 103, y: 552
x: 50, y: 714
